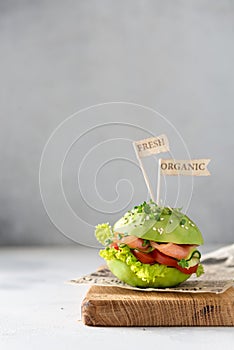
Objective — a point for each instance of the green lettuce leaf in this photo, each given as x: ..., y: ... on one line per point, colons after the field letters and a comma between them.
x: 200, y: 270
x: 103, y: 233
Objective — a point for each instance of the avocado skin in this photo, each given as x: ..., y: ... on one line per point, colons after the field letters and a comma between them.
x: 167, y: 228
x: 171, y: 278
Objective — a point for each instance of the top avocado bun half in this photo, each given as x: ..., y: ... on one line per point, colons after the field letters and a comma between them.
x: 159, y: 224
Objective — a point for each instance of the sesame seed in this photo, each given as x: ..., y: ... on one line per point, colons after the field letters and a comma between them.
x: 182, y: 225
x: 154, y: 228
x: 192, y: 225
x: 147, y: 217
x: 170, y: 221
x: 186, y: 227
x: 161, y: 219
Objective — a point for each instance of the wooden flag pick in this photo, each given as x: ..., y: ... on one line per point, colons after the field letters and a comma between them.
x: 147, y: 147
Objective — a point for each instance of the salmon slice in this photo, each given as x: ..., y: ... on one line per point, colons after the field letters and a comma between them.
x: 132, y: 241
x: 177, y: 251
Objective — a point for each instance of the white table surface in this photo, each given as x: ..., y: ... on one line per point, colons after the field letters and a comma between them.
x: 38, y: 310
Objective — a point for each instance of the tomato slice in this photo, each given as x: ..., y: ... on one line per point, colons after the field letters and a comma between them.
x: 188, y: 271
x: 114, y: 245
x: 145, y: 258
x: 168, y: 261
x: 160, y: 258
x: 163, y: 259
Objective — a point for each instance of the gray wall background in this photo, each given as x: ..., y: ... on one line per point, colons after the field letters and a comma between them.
x: 60, y: 56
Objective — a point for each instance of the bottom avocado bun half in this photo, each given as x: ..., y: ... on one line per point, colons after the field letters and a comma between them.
x: 170, y: 277
x: 151, y: 247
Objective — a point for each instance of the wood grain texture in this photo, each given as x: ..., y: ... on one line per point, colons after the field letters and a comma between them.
x: 111, y: 306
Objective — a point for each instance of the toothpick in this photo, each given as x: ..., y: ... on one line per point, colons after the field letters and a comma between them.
x: 159, y: 181
x: 144, y: 174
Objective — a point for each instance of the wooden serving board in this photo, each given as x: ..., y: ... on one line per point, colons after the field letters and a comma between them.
x: 113, y: 306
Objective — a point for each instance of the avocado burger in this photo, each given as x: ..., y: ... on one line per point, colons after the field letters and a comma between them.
x: 152, y: 246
